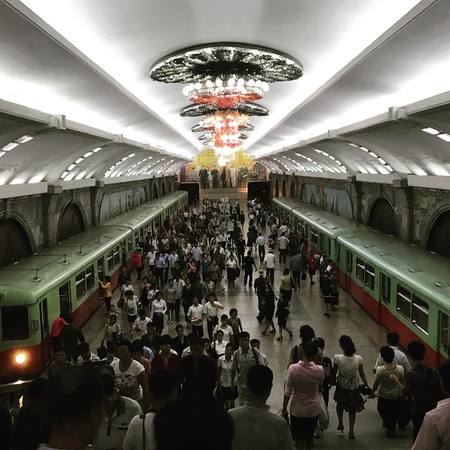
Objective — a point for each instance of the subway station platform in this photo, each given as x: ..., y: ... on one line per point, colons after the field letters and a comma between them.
x: 306, y: 308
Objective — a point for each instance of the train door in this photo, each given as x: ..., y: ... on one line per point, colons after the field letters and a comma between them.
x: 45, y: 329
x: 384, y: 300
x: 65, y: 301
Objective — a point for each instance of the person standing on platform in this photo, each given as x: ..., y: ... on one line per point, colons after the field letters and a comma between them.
x: 240, y: 248
x: 138, y: 261
x: 269, y: 262
x: 393, y: 340
x: 283, y: 243
x: 435, y: 431
x: 157, y: 311
x: 55, y: 333
x: 71, y: 336
x: 312, y: 267
x: 211, y: 312
x: 261, y: 244
x: 249, y: 264
x: 295, y: 264
x: 196, y: 315
x: 260, y: 286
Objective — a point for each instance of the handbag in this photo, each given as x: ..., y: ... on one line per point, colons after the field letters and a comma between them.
x: 121, y: 303
x: 364, y: 390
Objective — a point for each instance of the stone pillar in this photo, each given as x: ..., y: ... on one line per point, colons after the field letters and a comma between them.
x: 355, y: 192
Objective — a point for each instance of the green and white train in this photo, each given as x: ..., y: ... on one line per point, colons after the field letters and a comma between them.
x: 62, y: 279
x: 404, y: 288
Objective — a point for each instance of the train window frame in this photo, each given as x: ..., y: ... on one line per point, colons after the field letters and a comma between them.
x: 385, y: 288
x: 369, y: 276
x: 65, y: 287
x: 444, y: 331
x: 116, y: 255
x: 110, y: 260
x: 314, y: 236
x: 12, y: 323
x: 420, y: 307
x: 90, y: 275
x: 322, y: 242
x: 406, y: 297
x: 80, y: 285
x: 360, y: 269
x: 101, y: 267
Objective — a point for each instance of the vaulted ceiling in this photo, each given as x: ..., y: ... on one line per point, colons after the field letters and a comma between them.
x: 75, y: 76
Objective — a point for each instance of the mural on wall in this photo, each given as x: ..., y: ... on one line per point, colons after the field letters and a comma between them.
x: 116, y: 203
x: 334, y: 200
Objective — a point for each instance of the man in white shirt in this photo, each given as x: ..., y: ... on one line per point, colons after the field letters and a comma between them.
x: 86, y: 356
x: 393, y: 340
x: 211, y: 312
x: 269, y: 262
x: 196, y: 315
x: 283, y: 243
x: 139, y: 327
x: 261, y: 243
x: 163, y: 389
x: 255, y: 427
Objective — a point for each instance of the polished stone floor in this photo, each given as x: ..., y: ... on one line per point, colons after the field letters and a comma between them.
x: 306, y: 308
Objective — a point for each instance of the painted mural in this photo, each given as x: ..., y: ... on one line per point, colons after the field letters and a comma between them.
x: 116, y: 203
x: 336, y: 201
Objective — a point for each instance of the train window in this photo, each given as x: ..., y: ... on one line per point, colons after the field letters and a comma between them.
x: 420, y: 314
x: 444, y: 332
x: 385, y: 288
x: 314, y: 237
x: 65, y: 303
x: 15, y: 326
x: 110, y: 260
x: 90, y: 279
x: 349, y: 262
x: 360, y: 269
x: 404, y: 302
x: 130, y: 243
x: 101, y: 268
x: 116, y: 256
x: 369, y: 276
x: 80, y: 285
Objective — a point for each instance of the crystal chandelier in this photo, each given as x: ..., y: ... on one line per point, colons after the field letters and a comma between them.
x: 224, y: 80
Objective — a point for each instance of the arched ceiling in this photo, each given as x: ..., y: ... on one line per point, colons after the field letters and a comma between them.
x: 75, y: 77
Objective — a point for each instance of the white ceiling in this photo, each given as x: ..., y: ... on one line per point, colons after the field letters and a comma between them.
x: 90, y: 60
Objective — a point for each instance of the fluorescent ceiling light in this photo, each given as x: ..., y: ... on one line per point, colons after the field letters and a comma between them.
x: 72, y: 166
x: 364, y: 149
x: 444, y: 136
x: 86, y: 155
x: 10, y: 146
x: 430, y: 130
x: 25, y: 138
x: 95, y: 150
x: 2, y: 153
x: 79, y: 160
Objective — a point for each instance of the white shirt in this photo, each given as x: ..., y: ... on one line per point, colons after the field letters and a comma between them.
x: 151, y: 258
x: 227, y: 332
x: 132, y: 307
x: 348, y: 367
x: 179, y: 286
x: 269, y: 261
x: 399, y: 358
x: 134, y: 437
x: 283, y: 242
x: 127, y: 382
x: 211, y: 310
x: 260, y: 240
x: 158, y: 307
x: 140, y: 326
x: 195, y: 313
x: 219, y: 347
x: 93, y: 358
x: 227, y: 366
x: 282, y: 229
x: 111, y: 435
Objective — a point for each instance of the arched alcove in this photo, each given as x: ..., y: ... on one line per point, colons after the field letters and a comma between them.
x: 276, y: 188
x: 14, y: 242
x: 439, y: 235
x: 155, y: 191
x: 163, y: 188
x: 70, y: 223
x: 283, y: 188
x: 292, y: 192
x: 382, y: 217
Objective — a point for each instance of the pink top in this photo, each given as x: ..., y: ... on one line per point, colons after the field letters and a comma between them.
x: 302, y: 386
x: 434, y: 433
x: 57, y: 326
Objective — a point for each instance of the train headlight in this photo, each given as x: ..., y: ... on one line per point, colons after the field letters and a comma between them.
x: 21, y: 358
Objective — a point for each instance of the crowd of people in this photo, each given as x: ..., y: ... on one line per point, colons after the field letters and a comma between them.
x: 176, y: 369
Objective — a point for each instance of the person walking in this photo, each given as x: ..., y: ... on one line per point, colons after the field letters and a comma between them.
x: 269, y: 262
x: 295, y: 264
x: 260, y: 287
x: 211, y: 312
x: 249, y: 264
x: 282, y: 316
x: 283, y: 245
x: 157, y: 311
x: 107, y: 291
x: 196, y: 315
x: 349, y: 368
x: 71, y: 336
x: 261, y: 244
x: 302, y: 396
x: 312, y: 267
x: 255, y: 426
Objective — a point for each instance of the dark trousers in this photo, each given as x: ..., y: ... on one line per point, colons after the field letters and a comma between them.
x: 108, y: 303
x: 186, y: 309
x: 260, y: 315
x: 159, y: 273
x: 296, y: 277
x: 248, y: 275
x: 417, y: 419
x: 211, y: 323
x: 197, y: 330
x: 241, y: 258
x: 271, y: 273
x: 56, y: 342
x: 283, y: 253
x: 261, y: 251
x: 388, y: 410
x: 139, y: 273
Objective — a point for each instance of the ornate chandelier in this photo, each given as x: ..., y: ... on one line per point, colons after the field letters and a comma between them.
x: 223, y: 81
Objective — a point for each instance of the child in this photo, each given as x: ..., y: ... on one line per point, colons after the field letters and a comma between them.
x: 236, y: 325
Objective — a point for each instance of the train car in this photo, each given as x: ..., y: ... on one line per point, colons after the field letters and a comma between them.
x: 401, y: 286
x: 62, y: 279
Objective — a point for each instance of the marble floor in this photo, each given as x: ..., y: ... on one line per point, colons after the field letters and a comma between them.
x: 306, y: 308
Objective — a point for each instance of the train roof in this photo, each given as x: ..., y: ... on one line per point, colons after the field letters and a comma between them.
x: 327, y: 222
x: 427, y: 273
x: 56, y: 263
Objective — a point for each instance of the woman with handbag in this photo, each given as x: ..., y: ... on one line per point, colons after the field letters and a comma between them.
x: 349, y: 368
x: 113, y: 332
